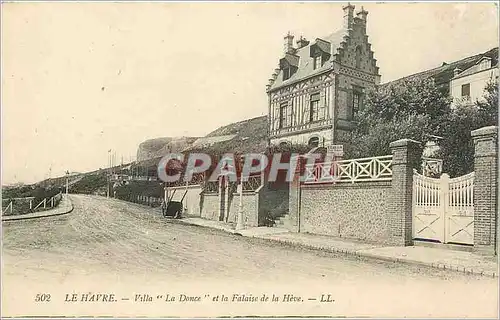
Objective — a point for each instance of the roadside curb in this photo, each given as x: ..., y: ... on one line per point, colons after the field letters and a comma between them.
x: 387, y: 259
x: 434, y: 265
x: 355, y: 253
x: 180, y: 221
x: 42, y: 215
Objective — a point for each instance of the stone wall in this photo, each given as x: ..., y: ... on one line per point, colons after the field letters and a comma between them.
x: 191, y: 201
x: 250, y: 208
x: 210, y: 206
x: 257, y: 205
x: 373, y: 211
x: 353, y: 211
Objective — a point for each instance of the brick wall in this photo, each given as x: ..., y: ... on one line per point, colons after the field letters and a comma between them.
x: 406, y: 155
x: 354, y: 211
x: 485, y: 189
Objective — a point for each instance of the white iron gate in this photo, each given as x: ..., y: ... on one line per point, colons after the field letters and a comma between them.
x: 443, y: 208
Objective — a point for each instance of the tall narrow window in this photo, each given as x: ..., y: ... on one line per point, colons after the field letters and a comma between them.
x: 283, y: 107
x: 287, y: 72
x: 359, y: 52
x: 317, y: 61
x: 314, y: 108
x: 357, y: 101
x: 466, y: 90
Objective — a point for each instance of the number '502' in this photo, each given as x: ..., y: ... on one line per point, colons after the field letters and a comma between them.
x: 42, y: 297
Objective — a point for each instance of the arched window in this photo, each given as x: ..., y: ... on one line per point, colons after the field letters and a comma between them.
x: 359, y: 53
x: 313, y: 142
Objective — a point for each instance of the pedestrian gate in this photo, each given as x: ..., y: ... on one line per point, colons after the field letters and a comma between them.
x: 443, y: 209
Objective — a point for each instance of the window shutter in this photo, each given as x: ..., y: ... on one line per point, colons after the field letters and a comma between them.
x: 276, y: 120
x: 289, y: 120
x: 306, y: 109
x: 322, y: 105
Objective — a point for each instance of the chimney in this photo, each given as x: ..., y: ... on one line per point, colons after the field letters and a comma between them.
x: 302, y: 42
x: 348, y: 15
x: 362, y: 14
x: 288, y: 43
x: 360, y: 19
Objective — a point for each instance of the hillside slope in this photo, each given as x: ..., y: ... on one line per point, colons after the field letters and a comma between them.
x: 159, y: 147
x: 243, y: 136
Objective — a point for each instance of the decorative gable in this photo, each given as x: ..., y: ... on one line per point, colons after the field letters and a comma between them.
x: 347, y: 47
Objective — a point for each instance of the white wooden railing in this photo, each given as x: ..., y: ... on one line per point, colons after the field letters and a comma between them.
x: 12, y: 204
x: 8, y: 208
x: 302, y: 126
x: 50, y: 201
x: 352, y: 170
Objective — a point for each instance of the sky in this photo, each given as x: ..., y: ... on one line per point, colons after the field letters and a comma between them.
x: 79, y: 79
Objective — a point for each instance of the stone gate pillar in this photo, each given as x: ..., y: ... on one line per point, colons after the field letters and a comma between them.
x: 406, y: 156
x: 485, y: 189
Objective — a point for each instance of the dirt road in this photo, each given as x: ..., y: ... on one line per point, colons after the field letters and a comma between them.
x: 109, y: 243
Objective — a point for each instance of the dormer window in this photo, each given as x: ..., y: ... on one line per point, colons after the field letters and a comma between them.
x: 485, y: 64
x: 319, y: 52
x: 287, y: 73
x: 289, y: 65
x: 317, y: 61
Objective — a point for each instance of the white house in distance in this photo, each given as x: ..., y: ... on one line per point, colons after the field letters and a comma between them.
x: 467, y: 86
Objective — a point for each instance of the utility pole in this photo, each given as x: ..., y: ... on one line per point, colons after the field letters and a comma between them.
x: 239, y: 220
x: 109, y: 173
x: 67, y: 181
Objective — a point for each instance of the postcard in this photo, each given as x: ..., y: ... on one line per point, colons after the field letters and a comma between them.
x: 249, y: 159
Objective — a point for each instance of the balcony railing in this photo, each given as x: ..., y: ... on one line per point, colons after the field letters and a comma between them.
x: 301, y: 127
x: 353, y: 170
x: 467, y: 100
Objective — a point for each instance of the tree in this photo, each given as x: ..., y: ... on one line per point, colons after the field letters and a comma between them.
x: 376, y: 139
x: 488, y: 107
x: 405, y: 109
x: 415, y: 108
x: 406, y: 97
x: 457, y: 147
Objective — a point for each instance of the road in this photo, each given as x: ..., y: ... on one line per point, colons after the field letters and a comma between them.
x: 108, y: 245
